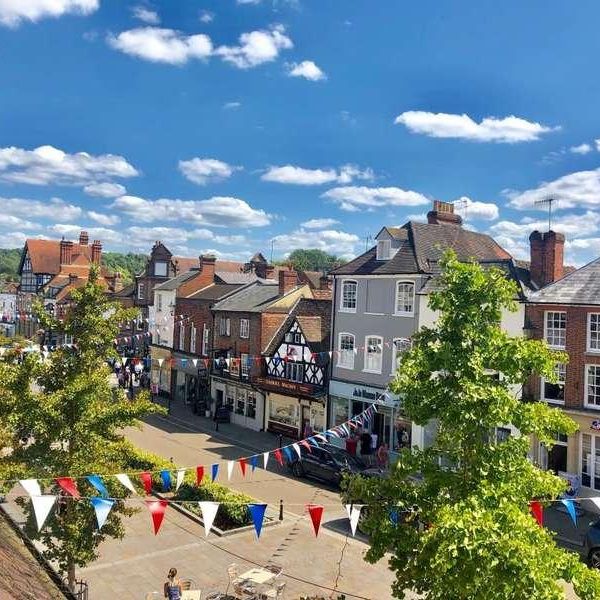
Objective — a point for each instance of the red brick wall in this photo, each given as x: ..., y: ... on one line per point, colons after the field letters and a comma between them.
x: 197, y: 312
x: 234, y: 342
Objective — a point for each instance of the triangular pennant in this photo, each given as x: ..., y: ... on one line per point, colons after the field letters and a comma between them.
x: 570, y: 506
x: 257, y: 513
x: 157, y: 510
x: 316, y: 514
x: 595, y: 501
x: 42, y: 505
x: 102, y: 507
x: 254, y: 462
x: 160, y: 361
x: 180, y: 477
x: 278, y: 456
x: 230, y: 464
x: 214, y: 472
x: 297, y: 449
x: 146, y: 479
x: 537, y: 510
x: 313, y: 441
x: 306, y: 445
x: 165, y: 475
x: 321, y: 437
x: 31, y: 486
x: 97, y: 482
x: 68, y: 485
x: 125, y: 481
x: 209, y: 512
x: 288, y: 453
x: 242, y: 463
x: 394, y: 516
x: 195, y: 362
x: 354, y: 516
x: 200, y: 474
x: 265, y: 459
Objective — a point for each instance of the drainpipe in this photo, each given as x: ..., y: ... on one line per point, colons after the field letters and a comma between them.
x: 331, y: 348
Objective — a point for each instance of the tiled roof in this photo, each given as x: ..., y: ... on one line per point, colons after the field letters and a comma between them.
x: 233, y: 277
x: 250, y: 298
x: 175, y: 282
x: 184, y: 263
x: 229, y: 265
x: 578, y: 287
x: 215, y: 291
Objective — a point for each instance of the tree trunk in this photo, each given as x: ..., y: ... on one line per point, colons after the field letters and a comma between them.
x: 71, y: 576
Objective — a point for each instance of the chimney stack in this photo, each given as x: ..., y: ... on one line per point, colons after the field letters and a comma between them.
x: 96, y: 252
x: 324, y: 283
x: 84, y: 238
x: 66, y: 252
x: 265, y: 271
x: 288, y: 280
x: 72, y: 278
x: 547, y: 257
x: 443, y: 214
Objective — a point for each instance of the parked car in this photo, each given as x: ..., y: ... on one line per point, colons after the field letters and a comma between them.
x: 591, y: 545
x: 328, y: 463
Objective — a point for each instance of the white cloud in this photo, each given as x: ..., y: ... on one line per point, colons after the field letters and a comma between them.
x: 144, y: 236
x: 597, y: 144
x: 105, y: 235
x: 206, y: 170
x: 581, y: 149
x: 105, y: 190
x: 571, y: 225
x: 575, y: 190
x: 14, y: 239
x: 491, y: 129
x: 249, y: 1
x: 55, y: 208
x: 299, y: 176
x: 146, y: 15
x: 319, y: 223
x: 162, y: 45
x: 232, y: 105
x: 329, y: 240
x: 206, y: 16
x: 48, y: 165
x: 103, y: 219
x: 307, y: 69
x: 256, y: 48
x: 12, y: 222
x: 13, y: 12
x: 354, y: 198
x: 216, y: 212
x: 471, y: 209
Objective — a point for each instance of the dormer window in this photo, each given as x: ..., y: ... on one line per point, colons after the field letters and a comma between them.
x: 160, y: 269
x: 384, y: 249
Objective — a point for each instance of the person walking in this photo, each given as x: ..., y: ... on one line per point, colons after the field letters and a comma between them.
x: 172, y: 586
x: 383, y: 456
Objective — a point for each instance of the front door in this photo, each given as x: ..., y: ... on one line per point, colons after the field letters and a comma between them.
x: 590, y: 461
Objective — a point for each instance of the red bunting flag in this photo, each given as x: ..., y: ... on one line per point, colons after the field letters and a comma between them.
x: 242, y: 462
x: 278, y: 456
x: 199, y: 475
x: 306, y: 445
x: 537, y: 510
x: 147, y: 481
x: 68, y: 485
x: 157, y: 510
x: 316, y: 513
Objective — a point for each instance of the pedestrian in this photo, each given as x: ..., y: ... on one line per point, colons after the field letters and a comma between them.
x: 308, y: 430
x: 172, y: 586
x: 365, y: 447
x: 383, y: 456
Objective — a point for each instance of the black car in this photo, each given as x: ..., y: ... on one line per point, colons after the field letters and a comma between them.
x: 592, y: 545
x: 328, y: 463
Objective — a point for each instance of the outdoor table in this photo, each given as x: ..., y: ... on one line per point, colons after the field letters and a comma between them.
x: 191, y: 594
x: 258, y: 576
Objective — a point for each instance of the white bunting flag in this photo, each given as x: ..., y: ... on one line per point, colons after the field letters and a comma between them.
x: 180, y: 476
x: 265, y: 459
x: 595, y: 501
x: 297, y: 449
x: 209, y: 512
x: 124, y: 480
x: 31, y: 486
x: 230, y: 464
x: 160, y: 361
x: 354, y: 516
x: 42, y: 505
x: 195, y: 362
x: 102, y: 507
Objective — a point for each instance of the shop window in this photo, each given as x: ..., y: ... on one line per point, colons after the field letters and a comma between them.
x: 593, y: 335
x: 555, y: 392
x: 240, y: 405
x: 373, y: 354
x: 592, y: 385
x: 590, y: 461
x: 555, y: 459
x: 348, y: 299
x: 405, y: 294
x: 340, y: 410
x: 244, y: 328
x: 284, y: 411
x: 251, y: 405
x: 555, y: 329
x: 346, y: 351
x: 317, y: 416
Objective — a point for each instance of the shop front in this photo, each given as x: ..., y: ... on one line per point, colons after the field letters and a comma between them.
x: 190, y: 384
x: 160, y: 370
x: 245, y: 403
x: 389, y: 425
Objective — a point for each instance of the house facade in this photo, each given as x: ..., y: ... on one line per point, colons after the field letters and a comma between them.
x: 8, y: 308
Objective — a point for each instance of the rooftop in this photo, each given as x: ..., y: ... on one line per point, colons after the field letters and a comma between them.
x: 251, y: 298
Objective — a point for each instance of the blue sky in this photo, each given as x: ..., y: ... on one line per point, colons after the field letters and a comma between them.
x: 220, y: 125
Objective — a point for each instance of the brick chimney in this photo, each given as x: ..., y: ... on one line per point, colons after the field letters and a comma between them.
x: 66, y: 252
x: 288, y: 280
x: 547, y: 257
x: 265, y: 270
x: 84, y: 238
x: 324, y: 283
x: 96, y: 252
x: 443, y: 214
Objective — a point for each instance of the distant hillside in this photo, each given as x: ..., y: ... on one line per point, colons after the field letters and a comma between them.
x: 127, y: 264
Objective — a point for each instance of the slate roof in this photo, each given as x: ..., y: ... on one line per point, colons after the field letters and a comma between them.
x: 238, y: 278
x: 175, y: 282
x: 578, y: 287
x: 215, y: 291
x: 250, y: 298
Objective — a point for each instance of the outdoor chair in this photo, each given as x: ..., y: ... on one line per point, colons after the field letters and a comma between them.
x: 275, y: 593
x: 188, y: 584
x: 275, y: 569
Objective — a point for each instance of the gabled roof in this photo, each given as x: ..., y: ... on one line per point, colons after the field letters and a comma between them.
x: 250, y: 298
x: 184, y: 263
x: 233, y: 277
x: 578, y: 287
x: 215, y: 291
x: 175, y: 282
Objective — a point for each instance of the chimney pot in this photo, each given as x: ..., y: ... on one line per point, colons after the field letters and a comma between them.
x: 66, y: 252
x: 84, y: 238
x: 443, y: 213
x: 96, y: 252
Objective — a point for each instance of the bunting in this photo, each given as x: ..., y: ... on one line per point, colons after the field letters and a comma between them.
x: 97, y: 482
x: 126, y: 482
x: 209, y: 512
x: 200, y: 475
x: 570, y: 506
x: 157, y: 510
x: 31, y: 486
x: 42, y: 505
x: 146, y: 479
x: 242, y: 463
x: 68, y: 485
x: 353, y: 516
x: 165, y: 475
x: 214, y: 472
x: 265, y: 459
x: 102, y: 508
x: 316, y: 514
x: 257, y: 513
x: 180, y: 477
x: 537, y: 510
x: 230, y: 465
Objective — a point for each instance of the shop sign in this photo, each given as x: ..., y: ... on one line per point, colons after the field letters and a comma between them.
x: 284, y: 385
x: 368, y: 394
x: 373, y: 396
x: 595, y: 425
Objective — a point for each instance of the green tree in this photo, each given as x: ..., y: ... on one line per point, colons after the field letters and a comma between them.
x: 62, y: 417
x: 313, y: 259
x: 465, y: 529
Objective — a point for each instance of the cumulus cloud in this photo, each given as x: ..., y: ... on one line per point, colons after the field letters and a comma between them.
x: 299, y: 176
x: 72, y: 231
x: 144, y: 236
x: 146, y: 15
x: 581, y: 149
x: 103, y: 219
x: 13, y: 239
x: 105, y: 190
x: 319, y: 223
x: 232, y: 105
x: 47, y: 165
x: 571, y: 225
x: 474, y: 210
x: 575, y: 190
x: 306, y: 69
x: 55, y: 208
x: 216, y: 212
x: 14, y: 12
x: 507, y: 130
x: 329, y: 240
x: 12, y: 222
x: 206, y: 170
x: 206, y: 16
x: 354, y: 198
x: 256, y: 48
x: 161, y: 45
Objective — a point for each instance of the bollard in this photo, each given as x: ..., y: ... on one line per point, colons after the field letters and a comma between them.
x: 280, y: 440
x: 281, y: 510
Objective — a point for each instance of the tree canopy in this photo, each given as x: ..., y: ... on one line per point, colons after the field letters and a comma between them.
x: 465, y: 530
x: 313, y: 259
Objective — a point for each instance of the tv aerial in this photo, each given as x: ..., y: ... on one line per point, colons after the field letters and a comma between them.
x: 547, y: 203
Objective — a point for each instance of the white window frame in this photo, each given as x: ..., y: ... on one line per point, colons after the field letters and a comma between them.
x: 404, y: 313
x: 166, y: 270
x: 293, y: 370
x: 594, y: 440
x: 159, y: 301
x: 543, y: 385
x: 244, y: 367
x: 245, y: 328
x: 343, y: 284
x: 349, y: 364
x: 367, y: 353
x: 585, y: 398
x: 225, y: 327
x: 193, y: 339
x: 205, y: 339
x: 384, y: 245
x: 554, y: 312
x: 181, y: 335
x: 141, y: 291
x: 589, y: 333
x: 396, y: 353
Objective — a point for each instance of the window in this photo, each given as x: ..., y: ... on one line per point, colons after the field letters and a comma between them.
x: 181, y: 336
x: 294, y: 372
x: 251, y: 405
x: 373, y: 354
x: 234, y: 367
x: 225, y: 326
x: 141, y: 291
x: 193, y: 339
x: 346, y: 351
x: 159, y: 303
x: 289, y: 338
x: 244, y: 328
x: 555, y: 459
x: 205, y: 334
x: 590, y: 461
x: 593, y: 335
x: 555, y: 392
x: 240, y: 405
x: 592, y: 387
x: 348, y: 300
x: 399, y: 347
x: 245, y: 366
x: 555, y: 329
x: 384, y: 249
x: 405, y: 293
x: 502, y: 434
x: 160, y: 269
